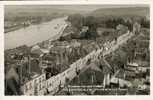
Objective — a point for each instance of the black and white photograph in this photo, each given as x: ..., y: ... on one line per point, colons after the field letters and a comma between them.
x: 67, y: 50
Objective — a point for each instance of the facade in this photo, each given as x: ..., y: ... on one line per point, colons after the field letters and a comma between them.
x: 34, y: 86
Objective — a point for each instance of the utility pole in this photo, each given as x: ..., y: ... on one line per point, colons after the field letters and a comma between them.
x: 93, y: 78
x: 20, y: 74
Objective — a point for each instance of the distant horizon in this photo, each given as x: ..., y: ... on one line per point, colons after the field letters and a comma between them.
x: 72, y: 7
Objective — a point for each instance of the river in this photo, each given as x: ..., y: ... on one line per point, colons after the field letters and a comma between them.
x: 34, y: 33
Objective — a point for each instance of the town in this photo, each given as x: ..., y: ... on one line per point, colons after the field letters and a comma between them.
x: 88, y: 55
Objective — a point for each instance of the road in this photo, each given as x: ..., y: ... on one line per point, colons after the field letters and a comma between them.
x: 35, y: 33
x: 54, y: 83
x: 71, y: 72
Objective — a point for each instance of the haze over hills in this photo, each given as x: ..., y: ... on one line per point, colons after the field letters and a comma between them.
x: 98, y: 10
x: 124, y: 12
x: 93, y: 10
x: 30, y: 10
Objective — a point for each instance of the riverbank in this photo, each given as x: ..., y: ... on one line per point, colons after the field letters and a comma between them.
x: 14, y: 28
x: 34, y: 33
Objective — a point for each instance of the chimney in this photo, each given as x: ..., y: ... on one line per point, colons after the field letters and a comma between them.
x: 40, y: 60
x: 29, y: 64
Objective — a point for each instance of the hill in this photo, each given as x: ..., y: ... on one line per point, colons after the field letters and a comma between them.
x: 122, y: 12
x: 31, y: 10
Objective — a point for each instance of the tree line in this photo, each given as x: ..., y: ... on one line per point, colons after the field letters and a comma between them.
x: 78, y: 21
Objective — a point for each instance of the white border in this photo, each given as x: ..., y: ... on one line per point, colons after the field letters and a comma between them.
x: 1, y: 50
x: 70, y: 2
x: 48, y: 2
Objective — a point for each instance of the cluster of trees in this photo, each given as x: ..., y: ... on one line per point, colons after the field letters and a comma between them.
x: 112, y: 23
x: 78, y: 21
x: 145, y: 23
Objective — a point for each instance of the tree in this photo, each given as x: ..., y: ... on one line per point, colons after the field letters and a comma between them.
x: 145, y: 23
x: 76, y: 21
x: 129, y: 25
x: 92, y: 24
x: 118, y: 59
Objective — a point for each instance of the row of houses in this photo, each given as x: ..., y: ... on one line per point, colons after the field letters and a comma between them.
x: 53, y: 84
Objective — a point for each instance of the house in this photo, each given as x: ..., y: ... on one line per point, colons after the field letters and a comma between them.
x: 136, y: 28
x: 121, y: 29
x: 37, y: 52
x: 75, y: 43
x: 121, y: 82
x: 84, y: 29
x: 104, y: 31
x: 35, y: 85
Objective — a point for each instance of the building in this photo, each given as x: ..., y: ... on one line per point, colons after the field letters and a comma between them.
x: 84, y: 29
x: 136, y: 28
x: 33, y: 86
x: 121, y: 29
x: 104, y: 31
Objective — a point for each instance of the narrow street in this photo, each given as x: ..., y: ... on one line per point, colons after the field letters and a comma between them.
x: 80, y: 64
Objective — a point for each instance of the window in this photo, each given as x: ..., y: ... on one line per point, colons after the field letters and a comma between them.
x: 26, y: 88
x: 40, y: 80
x: 43, y: 79
x: 43, y: 85
x: 30, y: 85
x: 35, y: 82
x: 39, y: 87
